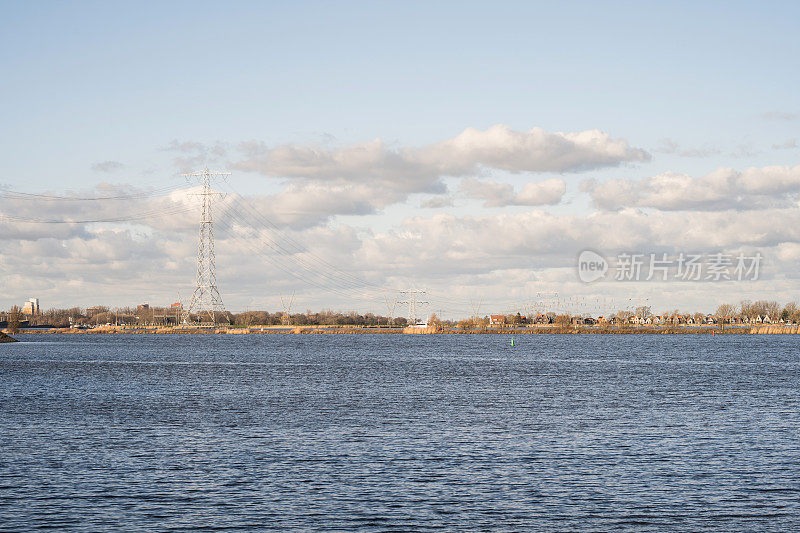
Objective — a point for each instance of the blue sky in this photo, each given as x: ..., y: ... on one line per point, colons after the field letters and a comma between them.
x: 91, y: 82
x: 85, y: 81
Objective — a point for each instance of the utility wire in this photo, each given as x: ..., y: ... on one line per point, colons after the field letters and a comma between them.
x: 304, y: 278
x: 233, y: 212
x: 321, y: 269
x: 18, y: 195
x: 289, y: 241
x: 141, y: 216
x: 289, y: 247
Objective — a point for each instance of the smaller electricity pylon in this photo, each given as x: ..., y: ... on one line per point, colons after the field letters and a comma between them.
x: 413, y: 303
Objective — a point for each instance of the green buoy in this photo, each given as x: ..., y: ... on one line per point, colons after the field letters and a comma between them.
x: 512, y: 341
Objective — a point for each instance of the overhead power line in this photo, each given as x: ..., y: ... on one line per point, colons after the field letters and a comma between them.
x: 18, y: 195
x: 156, y: 213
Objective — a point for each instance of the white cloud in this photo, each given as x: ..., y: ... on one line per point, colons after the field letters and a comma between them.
x: 265, y: 243
x: 38, y: 216
x: 439, y: 249
x: 453, y: 255
x: 304, y: 205
x: 725, y: 188
x: 533, y: 151
x: 364, y: 178
x: 548, y: 192
x: 420, y: 169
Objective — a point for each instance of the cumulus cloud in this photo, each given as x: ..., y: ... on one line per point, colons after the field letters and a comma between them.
x: 363, y: 178
x: 107, y: 166
x: 548, y: 192
x: 304, y: 205
x: 533, y: 151
x: 448, y: 246
x: 373, y: 162
x: 724, y: 210
x: 120, y: 265
x: 420, y: 169
x: 725, y: 188
x: 66, y: 215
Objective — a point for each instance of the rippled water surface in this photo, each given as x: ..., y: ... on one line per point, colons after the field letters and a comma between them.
x: 374, y: 432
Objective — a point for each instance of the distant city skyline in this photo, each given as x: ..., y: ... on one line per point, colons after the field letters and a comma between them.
x: 473, y: 150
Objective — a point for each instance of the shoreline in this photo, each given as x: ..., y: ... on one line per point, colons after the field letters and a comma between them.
x: 430, y: 330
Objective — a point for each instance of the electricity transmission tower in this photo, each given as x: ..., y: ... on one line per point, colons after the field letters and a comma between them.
x: 206, y: 300
x: 287, y: 308
x: 476, y: 308
x: 413, y: 303
x: 390, y: 306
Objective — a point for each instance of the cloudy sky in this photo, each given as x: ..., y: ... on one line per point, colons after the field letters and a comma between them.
x: 469, y: 149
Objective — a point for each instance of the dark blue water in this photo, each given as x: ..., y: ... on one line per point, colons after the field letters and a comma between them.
x: 313, y: 432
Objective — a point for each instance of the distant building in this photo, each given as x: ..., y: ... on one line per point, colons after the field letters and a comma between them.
x: 31, y: 307
x: 497, y: 319
x: 176, y: 311
x: 142, y: 307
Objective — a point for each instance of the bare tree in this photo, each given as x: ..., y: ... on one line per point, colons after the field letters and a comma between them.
x: 563, y: 320
x: 724, y: 312
x: 14, y: 318
x: 790, y: 313
x: 747, y: 309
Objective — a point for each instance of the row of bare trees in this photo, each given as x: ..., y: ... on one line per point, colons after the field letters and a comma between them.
x: 789, y: 313
x: 326, y: 317
x: 97, y: 315
x: 750, y: 310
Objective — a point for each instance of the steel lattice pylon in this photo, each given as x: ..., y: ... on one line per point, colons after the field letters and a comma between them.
x: 206, y: 300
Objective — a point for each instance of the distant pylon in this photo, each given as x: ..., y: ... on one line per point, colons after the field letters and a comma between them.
x: 476, y: 308
x: 413, y: 303
x: 287, y: 303
x: 206, y: 299
x: 391, y: 305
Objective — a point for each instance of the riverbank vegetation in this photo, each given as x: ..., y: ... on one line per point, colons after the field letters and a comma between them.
x: 746, y: 313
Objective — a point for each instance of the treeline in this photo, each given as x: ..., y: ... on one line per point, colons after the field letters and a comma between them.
x: 326, y: 317
x: 745, y: 312
x: 51, y: 317
x: 99, y: 315
x: 760, y: 309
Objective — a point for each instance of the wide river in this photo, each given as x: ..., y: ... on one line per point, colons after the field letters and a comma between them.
x: 400, y: 432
